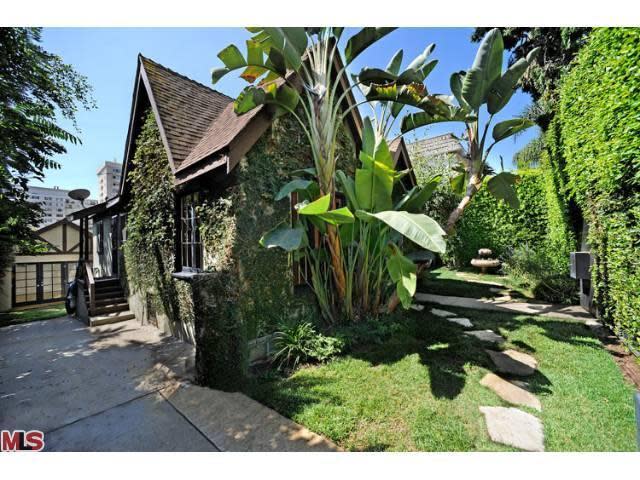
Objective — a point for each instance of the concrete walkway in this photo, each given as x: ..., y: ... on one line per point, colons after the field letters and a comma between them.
x: 124, y: 387
x: 569, y: 312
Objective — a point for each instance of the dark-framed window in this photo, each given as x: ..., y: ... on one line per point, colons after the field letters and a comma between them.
x: 190, y: 242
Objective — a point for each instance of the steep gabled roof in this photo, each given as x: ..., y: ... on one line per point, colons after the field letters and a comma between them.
x: 186, y: 108
x: 198, y: 125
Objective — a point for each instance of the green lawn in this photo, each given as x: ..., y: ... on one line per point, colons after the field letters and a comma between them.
x: 444, y: 281
x: 420, y: 389
x: 24, y: 316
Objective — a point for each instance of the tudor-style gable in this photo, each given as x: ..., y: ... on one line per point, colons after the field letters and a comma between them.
x: 199, y: 128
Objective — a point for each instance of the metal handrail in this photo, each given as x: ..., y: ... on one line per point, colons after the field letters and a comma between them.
x: 91, y: 283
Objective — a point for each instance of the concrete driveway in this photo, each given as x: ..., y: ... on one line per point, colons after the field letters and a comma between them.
x: 126, y: 387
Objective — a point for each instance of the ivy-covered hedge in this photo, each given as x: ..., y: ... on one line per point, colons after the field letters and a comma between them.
x: 597, y: 138
x: 489, y: 223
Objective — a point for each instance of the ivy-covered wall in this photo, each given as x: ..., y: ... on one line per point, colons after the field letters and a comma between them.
x: 246, y: 290
x: 596, y: 139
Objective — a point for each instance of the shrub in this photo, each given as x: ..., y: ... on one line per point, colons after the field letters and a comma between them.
x: 489, y: 223
x: 302, y: 343
x: 535, y: 269
x: 596, y: 140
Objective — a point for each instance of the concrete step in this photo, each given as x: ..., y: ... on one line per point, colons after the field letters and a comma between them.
x: 115, y: 317
x: 106, y: 295
x: 117, y: 307
x: 109, y: 301
x: 108, y: 283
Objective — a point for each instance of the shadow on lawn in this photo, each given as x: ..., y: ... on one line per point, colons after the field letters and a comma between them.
x: 445, y: 351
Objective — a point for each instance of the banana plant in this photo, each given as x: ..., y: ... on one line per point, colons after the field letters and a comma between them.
x: 372, y: 238
x: 297, y: 71
x: 485, y: 86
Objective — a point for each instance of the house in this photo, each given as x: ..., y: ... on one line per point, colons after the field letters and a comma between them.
x: 42, y: 278
x: 196, y: 195
x: 444, y: 148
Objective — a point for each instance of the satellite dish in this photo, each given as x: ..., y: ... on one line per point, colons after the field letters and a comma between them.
x: 80, y: 194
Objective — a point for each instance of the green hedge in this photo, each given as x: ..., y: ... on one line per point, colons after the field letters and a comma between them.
x: 489, y: 223
x: 596, y: 133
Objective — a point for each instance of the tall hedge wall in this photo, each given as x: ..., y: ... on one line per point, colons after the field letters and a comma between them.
x: 540, y: 222
x: 597, y: 134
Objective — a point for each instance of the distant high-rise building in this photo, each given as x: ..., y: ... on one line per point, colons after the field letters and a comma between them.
x: 109, y: 180
x: 436, y: 148
x: 55, y: 203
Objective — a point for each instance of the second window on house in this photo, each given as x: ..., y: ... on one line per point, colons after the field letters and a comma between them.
x: 190, y: 243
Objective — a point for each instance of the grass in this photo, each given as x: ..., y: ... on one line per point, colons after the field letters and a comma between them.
x: 420, y: 390
x: 32, y: 315
x: 444, y: 281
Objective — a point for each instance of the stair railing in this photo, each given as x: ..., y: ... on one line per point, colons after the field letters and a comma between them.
x: 91, y: 287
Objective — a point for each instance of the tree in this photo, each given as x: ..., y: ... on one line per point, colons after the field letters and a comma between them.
x: 296, y: 70
x: 483, y: 87
x: 35, y: 86
x: 558, y: 47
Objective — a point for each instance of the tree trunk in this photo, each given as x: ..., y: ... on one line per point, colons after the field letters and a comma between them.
x: 472, y: 188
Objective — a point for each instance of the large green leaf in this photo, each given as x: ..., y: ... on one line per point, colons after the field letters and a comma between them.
x: 411, y: 94
x: 418, y: 228
x: 374, y: 187
x: 368, y: 137
x: 459, y: 183
x: 338, y: 216
x: 362, y: 40
x: 290, y: 41
x: 486, y: 68
x: 436, y: 110
x: 455, y: 82
x: 416, y: 203
x: 501, y: 187
x: 251, y: 97
x: 503, y: 88
x: 285, y: 237
x: 420, y: 60
x: 348, y: 187
x: 395, y: 63
x: 403, y: 273
x: 321, y: 205
x: 293, y: 186
x: 508, y: 128
x: 232, y: 57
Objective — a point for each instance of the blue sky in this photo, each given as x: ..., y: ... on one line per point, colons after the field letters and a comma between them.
x: 107, y: 56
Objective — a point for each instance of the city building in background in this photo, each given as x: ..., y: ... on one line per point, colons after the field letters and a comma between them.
x: 445, y: 146
x: 55, y: 203
x: 109, y: 180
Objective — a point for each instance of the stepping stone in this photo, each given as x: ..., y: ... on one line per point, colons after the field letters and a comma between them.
x: 417, y: 308
x: 463, y: 322
x: 513, y: 362
x: 513, y: 427
x: 442, y: 313
x: 510, y: 392
x: 488, y: 336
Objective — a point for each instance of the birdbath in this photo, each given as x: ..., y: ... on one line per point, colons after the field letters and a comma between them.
x: 484, y: 261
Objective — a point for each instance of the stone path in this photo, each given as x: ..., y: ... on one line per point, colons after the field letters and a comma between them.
x: 514, y: 427
x: 507, y: 425
x: 570, y: 312
x: 509, y: 392
x: 488, y: 336
x: 513, y: 362
x: 463, y: 322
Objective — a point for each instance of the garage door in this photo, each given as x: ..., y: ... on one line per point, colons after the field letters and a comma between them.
x: 41, y: 282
